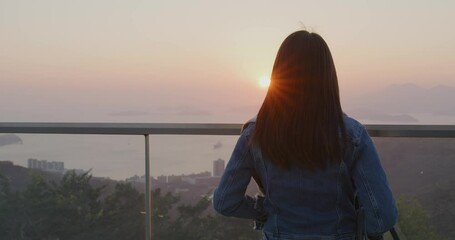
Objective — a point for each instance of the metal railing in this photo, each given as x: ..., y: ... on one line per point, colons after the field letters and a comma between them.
x: 146, y: 129
x: 436, y: 131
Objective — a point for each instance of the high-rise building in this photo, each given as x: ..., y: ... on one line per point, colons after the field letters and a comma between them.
x: 162, y: 179
x: 218, y: 167
x: 32, y: 163
x: 46, y: 166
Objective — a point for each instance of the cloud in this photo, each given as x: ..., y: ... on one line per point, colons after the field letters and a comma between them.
x: 373, y: 115
x: 185, y: 111
x: 128, y: 113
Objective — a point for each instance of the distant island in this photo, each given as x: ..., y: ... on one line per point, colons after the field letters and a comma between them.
x: 8, y: 139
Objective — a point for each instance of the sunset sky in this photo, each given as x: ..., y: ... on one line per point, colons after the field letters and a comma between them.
x: 206, y: 61
x: 200, y: 60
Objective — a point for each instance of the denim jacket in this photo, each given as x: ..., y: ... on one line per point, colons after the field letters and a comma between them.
x: 300, y: 204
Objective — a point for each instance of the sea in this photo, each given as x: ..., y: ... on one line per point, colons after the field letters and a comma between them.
x: 120, y: 157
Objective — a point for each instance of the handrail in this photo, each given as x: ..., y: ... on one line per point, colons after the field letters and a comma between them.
x: 431, y: 131
x: 121, y: 128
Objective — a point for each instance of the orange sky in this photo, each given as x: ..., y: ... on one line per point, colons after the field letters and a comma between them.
x: 85, y: 60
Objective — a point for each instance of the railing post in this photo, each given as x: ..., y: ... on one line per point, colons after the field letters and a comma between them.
x: 148, y: 216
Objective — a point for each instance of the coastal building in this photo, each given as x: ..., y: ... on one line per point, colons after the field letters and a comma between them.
x: 44, y: 165
x: 218, y: 167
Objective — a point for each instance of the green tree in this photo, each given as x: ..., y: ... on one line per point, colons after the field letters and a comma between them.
x: 413, y: 220
x: 55, y: 210
x: 73, y: 209
x: 191, y: 222
x: 123, y: 214
x: 6, y: 212
x: 162, y: 224
x: 196, y: 222
x: 77, y: 205
x: 34, y: 209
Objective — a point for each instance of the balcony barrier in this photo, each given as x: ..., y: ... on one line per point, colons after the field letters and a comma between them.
x: 147, y: 129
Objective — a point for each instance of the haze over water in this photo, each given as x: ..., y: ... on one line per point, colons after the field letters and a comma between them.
x: 202, y: 61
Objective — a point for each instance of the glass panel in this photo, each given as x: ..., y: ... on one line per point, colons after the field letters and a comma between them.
x: 186, y: 171
x: 419, y: 171
x: 71, y: 187
x: 421, y: 176
x: 47, y: 205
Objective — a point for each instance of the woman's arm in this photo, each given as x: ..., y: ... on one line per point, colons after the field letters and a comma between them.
x: 373, y: 189
x: 229, y: 197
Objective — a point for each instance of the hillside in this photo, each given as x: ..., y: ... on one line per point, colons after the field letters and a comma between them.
x: 403, y: 103
x: 423, y: 169
x: 20, y: 177
x: 7, y: 139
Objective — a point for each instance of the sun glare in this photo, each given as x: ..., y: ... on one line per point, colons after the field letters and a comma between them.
x: 264, y: 82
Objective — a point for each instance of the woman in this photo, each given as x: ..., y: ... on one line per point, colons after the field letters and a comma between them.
x: 310, y: 160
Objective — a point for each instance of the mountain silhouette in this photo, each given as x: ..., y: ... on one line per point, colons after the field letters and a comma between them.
x: 402, y: 102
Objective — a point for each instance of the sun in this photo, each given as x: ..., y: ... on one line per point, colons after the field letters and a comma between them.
x: 264, y: 82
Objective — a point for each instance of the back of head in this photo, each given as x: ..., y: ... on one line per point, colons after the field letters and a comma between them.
x: 301, y: 120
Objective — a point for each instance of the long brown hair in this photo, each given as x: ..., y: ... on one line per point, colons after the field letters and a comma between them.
x: 300, y: 122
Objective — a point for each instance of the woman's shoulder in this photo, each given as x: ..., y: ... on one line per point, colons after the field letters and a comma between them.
x: 350, y: 121
x: 354, y: 128
x: 248, y: 127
